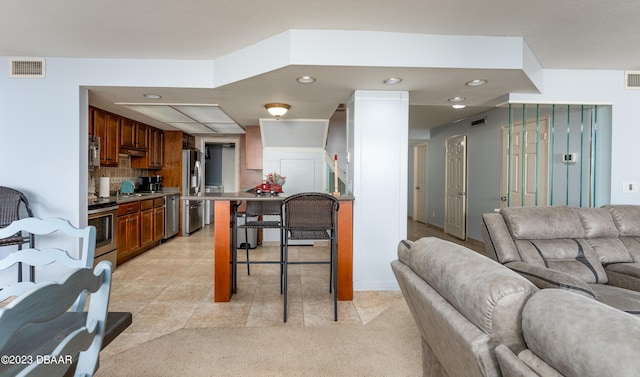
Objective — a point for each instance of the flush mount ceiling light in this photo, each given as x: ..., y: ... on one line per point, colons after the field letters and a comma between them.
x: 153, y: 96
x: 458, y: 106
x: 476, y: 82
x: 277, y: 109
x: 393, y: 81
x: 456, y: 99
x: 306, y: 79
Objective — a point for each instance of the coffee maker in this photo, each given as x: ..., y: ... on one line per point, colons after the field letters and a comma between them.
x: 151, y: 184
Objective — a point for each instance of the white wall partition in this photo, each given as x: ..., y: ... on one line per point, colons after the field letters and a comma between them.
x: 380, y: 144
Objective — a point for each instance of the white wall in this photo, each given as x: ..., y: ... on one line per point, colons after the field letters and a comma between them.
x: 380, y: 144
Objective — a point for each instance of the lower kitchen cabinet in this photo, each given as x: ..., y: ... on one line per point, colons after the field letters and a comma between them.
x: 140, y: 227
x: 128, y: 236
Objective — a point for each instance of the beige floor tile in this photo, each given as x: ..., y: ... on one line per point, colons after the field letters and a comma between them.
x: 171, y: 287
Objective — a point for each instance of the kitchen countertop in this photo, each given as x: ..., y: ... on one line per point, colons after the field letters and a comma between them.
x: 245, y: 196
x: 122, y: 199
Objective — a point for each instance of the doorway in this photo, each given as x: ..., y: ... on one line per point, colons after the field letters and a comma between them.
x: 420, y: 183
x: 525, y: 164
x: 455, y: 210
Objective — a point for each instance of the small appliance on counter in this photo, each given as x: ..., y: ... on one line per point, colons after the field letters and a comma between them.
x: 151, y: 184
x: 126, y: 187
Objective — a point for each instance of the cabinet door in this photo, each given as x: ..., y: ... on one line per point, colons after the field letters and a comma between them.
x: 123, y: 222
x: 156, y: 148
x: 158, y: 232
x: 142, y: 136
x: 146, y: 227
x: 127, y: 133
x: 111, y: 145
x: 133, y: 232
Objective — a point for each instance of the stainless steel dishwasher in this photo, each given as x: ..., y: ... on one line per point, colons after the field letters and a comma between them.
x: 171, y: 215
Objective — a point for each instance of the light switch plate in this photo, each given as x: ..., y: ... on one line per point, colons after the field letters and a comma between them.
x: 629, y: 187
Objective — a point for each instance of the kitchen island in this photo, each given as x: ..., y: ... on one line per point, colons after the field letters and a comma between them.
x: 224, y: 207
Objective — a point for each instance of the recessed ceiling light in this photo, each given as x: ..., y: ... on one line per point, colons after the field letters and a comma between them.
x: 476, y: 82
x: 456, y: 99
x: 393, y: 80
x: 153, y: 96
x: 458, y: 106
x: 306, y: 79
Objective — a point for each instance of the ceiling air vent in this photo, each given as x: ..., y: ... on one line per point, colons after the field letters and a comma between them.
x: 479, y: 122
x: 27, y: 68
x: 632, y: 80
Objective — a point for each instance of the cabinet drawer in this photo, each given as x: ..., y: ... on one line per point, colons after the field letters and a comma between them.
x: 127, y: 208
x: 146, y: 204
x: 158, y: 202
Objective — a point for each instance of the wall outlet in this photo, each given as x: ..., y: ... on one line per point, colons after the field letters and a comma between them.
x: 433, y: 214
x: 628, y: 187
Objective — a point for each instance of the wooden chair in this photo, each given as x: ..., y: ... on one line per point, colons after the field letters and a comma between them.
x: 43, y: 257
x: 312, y: 216
x: 26, y: 321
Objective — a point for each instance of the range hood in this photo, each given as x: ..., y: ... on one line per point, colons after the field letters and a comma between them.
x: 132, y: 152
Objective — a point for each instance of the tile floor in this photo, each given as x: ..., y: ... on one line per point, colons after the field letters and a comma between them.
x: 171, y: 287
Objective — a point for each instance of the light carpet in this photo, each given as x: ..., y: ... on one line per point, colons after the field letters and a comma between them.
x: 388, y: 345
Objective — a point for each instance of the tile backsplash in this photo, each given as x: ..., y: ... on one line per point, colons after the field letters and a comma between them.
x: 124, y: 172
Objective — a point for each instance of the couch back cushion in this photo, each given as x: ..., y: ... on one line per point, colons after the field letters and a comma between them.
x: 578, y: 336
x: 626, y: 218
x: 542, y: 223
x: 488, y: 294
x: 554, y: 237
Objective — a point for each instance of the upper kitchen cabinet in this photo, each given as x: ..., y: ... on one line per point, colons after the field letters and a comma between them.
x: 134, y: 135
x: 106, y: 126
x: 153, y: 157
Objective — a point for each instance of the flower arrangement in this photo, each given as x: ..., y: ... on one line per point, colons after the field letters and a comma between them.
x: 274, y: 178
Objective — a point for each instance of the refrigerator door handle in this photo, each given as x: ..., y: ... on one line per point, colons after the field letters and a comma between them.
x: 197, y: 172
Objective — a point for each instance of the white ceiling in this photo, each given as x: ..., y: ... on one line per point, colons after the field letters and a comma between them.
x: 572, y: 34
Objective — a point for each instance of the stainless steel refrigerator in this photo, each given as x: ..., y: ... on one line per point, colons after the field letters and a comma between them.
x: 192, y: 210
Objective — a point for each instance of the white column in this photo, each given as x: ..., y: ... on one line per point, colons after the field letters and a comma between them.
x: 377, y: 125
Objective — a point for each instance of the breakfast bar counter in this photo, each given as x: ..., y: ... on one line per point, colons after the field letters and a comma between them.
x: 224, y: 207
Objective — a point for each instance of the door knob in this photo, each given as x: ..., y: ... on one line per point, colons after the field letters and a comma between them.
x: 503, y: 198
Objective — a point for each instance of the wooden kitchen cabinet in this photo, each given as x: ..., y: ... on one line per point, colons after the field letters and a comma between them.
x: 154, y: 155
x: 107, y: 127
x: 133, y: 135
x: 146, y: 222
x: 128, y: 231
x: 158, y: 219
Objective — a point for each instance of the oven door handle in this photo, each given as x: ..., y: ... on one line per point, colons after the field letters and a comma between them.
x: 101, y: 210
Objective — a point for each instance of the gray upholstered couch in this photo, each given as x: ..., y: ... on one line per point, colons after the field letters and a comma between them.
x: 592, y: 251
x: 479, y: 318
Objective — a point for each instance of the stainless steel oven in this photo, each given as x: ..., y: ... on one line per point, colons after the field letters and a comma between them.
x: 103, y: 216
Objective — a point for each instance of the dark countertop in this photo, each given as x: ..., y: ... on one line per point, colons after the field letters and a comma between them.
x: 247, y: 196
x: 122, y: 199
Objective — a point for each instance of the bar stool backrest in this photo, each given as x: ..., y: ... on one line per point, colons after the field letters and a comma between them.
x: 310, y: 211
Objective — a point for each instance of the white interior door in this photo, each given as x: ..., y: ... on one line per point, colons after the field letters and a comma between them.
x: 420, y: 182
x: 524, y: 177
x: 456, y: 186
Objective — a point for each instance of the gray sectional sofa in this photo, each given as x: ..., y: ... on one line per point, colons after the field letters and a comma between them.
x: 591, y: 251
x: 479, y: 318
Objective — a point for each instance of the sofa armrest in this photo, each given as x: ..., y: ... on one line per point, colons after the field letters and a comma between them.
x: 547, y: 278
x: 624, y: 275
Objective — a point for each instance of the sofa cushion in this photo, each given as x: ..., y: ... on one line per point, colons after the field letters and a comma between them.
x: 620, y: 298
x: 488, y: 294
x: 626, y: 218
x: 542, y: 223
x: 572, y: 256
x: 597, y: 222
x: 581, y: 337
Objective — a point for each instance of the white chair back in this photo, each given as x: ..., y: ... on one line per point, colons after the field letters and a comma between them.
x: 43, y: 257
x: 43, y: 308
